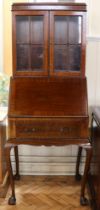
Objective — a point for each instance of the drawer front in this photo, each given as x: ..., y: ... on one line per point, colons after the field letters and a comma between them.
x: 50, y: 128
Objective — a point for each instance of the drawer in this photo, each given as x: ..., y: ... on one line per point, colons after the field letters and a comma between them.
x: 50, y: 128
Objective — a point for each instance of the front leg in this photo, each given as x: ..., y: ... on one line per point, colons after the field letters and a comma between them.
x: 12, y: 199
x: 84, y: 200
x: 17, y: 176
x: 79, y: 155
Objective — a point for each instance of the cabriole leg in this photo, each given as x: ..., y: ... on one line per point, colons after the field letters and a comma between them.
x: 17, y: 176
x: 12, y: 199
x: 84, y: 200
x: 78, y: 176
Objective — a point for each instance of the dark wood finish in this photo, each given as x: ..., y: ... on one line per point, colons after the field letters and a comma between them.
x: 56, y: 96
x: 51, y: 107
x: 49, y: 6
x: 46, y: 112
x: 12, y: 200
x: 66, y: 58
x: 51, y: 120
x: 79, y: 155
x: 17, y: 176
x: 89, y: 152
x: 94, y: 178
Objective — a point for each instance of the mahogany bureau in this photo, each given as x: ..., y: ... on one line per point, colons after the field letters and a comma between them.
x: 48, y: 90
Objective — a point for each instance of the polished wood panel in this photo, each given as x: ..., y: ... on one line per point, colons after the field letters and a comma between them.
x: 59, y: 97
x: 54, y: 128
x: 40, y: 111
x: 49, y: 6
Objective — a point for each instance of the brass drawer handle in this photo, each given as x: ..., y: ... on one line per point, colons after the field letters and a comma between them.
x: 30, y: 130
x: 66, y: 129
x: 34, y: 129
x: 61, y: 129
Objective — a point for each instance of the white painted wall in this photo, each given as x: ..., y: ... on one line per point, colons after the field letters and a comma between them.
x: 95, y: 17
x: 93, y: 70
x: 1, y: 35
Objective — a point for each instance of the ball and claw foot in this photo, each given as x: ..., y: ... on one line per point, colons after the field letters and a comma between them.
x: 84, y: 201
x: 17, y: 177
x: 78, y: 177
x: 12, y: 200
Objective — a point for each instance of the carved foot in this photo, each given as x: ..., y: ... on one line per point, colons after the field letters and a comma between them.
x: 78, y: 177
x: 17, y: 177
x: 84, y: 201
x: 12, y: 200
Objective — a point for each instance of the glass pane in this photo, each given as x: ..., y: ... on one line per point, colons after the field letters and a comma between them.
x: 67, y: 50
x: 36, y: 57
x: 37, y: 29
x: 61, y: 57
x: 74, y: 57
x: 22, y: 29
x: 74, y: 29
x: 67, y: 58
x: 61, y: 29
x: 22, y: 57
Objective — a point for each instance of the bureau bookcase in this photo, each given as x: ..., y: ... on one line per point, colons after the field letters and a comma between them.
x: 48, y: 91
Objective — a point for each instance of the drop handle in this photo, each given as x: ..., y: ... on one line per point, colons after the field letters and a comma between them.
x: 65, y: 129
x: 29, y: 130
x: 61, y: 129
x: 33, y: 129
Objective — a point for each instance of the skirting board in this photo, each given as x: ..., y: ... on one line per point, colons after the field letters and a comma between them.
x: 47, y: 165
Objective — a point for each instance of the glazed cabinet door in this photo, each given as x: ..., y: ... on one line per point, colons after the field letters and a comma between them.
x: 30, y: 43
x: 67, y: 43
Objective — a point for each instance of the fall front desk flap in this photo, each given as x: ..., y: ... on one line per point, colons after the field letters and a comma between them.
x: 35, y: 97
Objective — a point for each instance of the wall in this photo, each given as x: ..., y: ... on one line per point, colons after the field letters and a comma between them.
x: 1, y: 35
x: 61, y: 160
x: 93, y: 70
x: 94, y: 17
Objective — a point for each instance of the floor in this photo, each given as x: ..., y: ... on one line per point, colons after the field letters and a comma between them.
x: 45, y: 193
